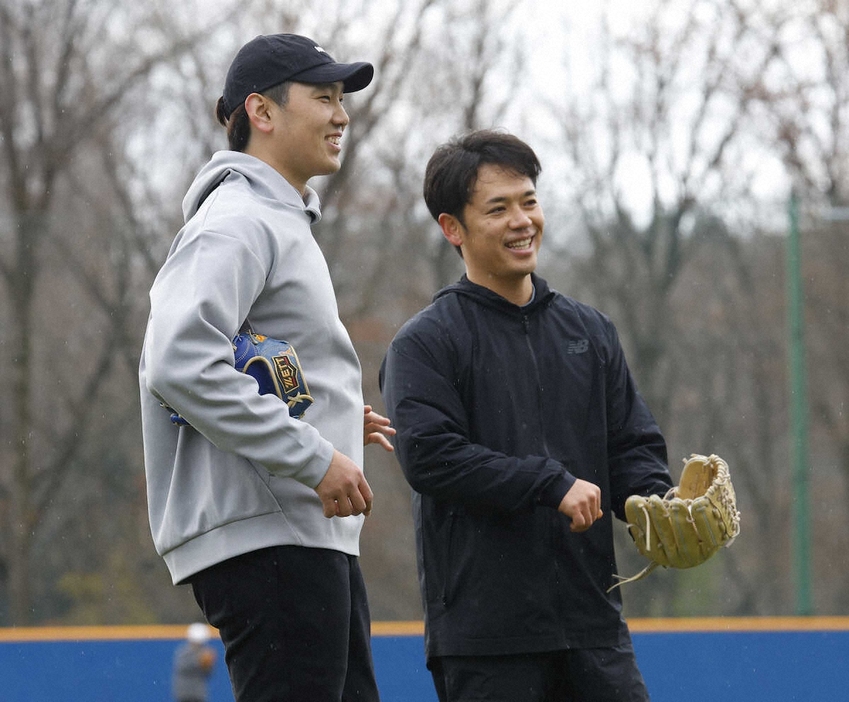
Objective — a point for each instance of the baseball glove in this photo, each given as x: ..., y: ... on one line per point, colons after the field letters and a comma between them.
x: 275, y: 367
x: 690, y: 523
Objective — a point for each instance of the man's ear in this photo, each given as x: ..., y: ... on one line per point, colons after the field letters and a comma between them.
x: 258, y: 108
x: 452, y: 229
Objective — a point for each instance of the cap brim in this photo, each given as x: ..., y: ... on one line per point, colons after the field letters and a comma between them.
x: 354, y: 76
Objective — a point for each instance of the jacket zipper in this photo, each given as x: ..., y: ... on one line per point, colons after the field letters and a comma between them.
x: 555, y: 532
x: 526, y: 327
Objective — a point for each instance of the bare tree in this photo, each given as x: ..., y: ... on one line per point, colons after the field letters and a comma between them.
x: 102, y: 129
x: 67, y: 69
x: 659, y: 157
x: 809, y: 111
x: 647, y: 157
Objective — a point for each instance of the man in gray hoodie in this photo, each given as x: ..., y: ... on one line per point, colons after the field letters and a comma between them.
x: 258, y: 510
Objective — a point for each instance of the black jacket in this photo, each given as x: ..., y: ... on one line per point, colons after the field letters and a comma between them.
x: 498, y: 410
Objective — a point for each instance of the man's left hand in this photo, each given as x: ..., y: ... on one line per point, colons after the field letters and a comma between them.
x: 582, y: 504
x: 376, y: 429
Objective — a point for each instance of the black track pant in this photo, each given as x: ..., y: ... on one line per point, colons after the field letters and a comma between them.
x: 295, y: 625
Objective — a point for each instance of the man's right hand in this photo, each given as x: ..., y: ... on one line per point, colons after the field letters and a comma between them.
x: 582, y: 504
x: 344, y: 490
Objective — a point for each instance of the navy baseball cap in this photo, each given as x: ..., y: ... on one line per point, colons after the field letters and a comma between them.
x: 271, y: 59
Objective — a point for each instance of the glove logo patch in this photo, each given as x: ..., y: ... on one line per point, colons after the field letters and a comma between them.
x: 275, y: 367
x: 287, y: 373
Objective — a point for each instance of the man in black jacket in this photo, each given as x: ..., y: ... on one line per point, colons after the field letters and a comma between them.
x: 520, y: 430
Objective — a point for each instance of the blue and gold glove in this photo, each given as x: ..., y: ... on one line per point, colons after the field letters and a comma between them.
x: 274, y: 365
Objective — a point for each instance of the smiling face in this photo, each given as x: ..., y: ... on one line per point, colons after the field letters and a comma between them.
x: 500, y: 234
x: 302, y: 138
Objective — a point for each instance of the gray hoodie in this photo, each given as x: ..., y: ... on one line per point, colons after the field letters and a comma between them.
x: 241, y: 476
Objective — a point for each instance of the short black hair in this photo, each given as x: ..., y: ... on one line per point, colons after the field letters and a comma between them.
x: 452, y: 171
x: 238, y: 123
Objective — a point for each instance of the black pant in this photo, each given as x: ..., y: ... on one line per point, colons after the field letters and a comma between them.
x: 577, y: 675
x: 295, y: 625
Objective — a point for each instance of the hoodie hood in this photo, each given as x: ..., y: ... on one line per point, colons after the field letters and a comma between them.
x: 542, y: 294
x: 263, y: 180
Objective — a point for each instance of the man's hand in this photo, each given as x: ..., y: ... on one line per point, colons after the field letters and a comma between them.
x: 582, y: 504
x: 344, y: 490
x: 376, y: 429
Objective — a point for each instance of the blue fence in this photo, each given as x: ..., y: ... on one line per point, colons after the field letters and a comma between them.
x: 718, y: 660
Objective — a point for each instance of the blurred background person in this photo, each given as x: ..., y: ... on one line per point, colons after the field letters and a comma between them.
x: 194, y: 662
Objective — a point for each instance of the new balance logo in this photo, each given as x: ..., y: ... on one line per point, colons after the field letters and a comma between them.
x: 318, y: 48
x: 579, y: 346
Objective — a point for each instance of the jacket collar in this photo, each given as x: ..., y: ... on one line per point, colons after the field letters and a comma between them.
x: 485, y: 296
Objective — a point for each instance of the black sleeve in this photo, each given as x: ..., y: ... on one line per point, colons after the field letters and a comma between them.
x: 418, y: 381
x: 636, y: 448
